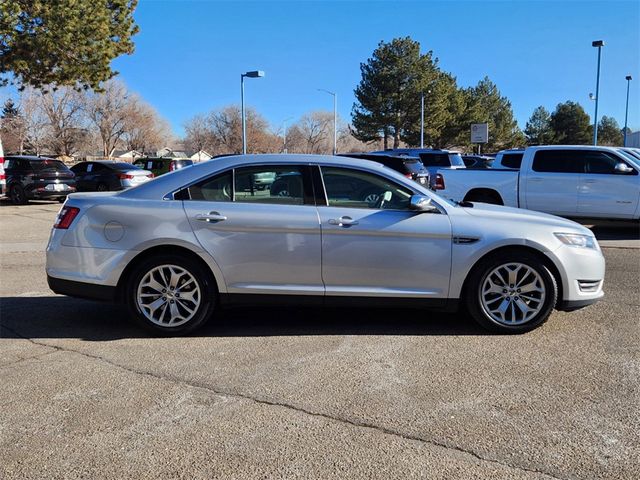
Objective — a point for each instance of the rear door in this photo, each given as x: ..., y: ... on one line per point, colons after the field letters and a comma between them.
x: 551, y: 184
x: 374, y: 246
x: 605, y: 193
x: 265, y: 240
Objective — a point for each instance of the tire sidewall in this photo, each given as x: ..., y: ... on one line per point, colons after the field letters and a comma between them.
x: 479, y: 275
x: 203, y: 278
x: 22, y: 196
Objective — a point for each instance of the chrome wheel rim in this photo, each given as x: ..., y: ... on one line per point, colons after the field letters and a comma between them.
x: 372, y: 198
x: 168, y: 296
x: 512, y: 294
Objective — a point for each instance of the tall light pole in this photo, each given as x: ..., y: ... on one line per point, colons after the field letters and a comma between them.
x: 335, y: 118
x: 422, y: 120
x: 626, y: 111
x: 253, y: 74
x: 284, y: 135
x: 599, y: 44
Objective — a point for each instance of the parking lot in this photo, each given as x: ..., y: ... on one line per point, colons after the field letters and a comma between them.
x: 289, y: 393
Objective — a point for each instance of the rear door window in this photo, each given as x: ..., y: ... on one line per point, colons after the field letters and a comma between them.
x: 559, y: 161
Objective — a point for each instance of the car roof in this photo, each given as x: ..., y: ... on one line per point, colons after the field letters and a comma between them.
x: 172, y: 181
x: 30, y: 158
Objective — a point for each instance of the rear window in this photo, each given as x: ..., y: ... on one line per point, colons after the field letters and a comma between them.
x: 124, y: 166
x: 414, y: 167
x: 53, y: 165
x: 456, y: 160
x: 559, y: 161
x: 512, y: 160
x: 436, y: 159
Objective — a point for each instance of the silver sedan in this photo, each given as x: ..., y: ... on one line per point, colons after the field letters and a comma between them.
x: 322, y: 230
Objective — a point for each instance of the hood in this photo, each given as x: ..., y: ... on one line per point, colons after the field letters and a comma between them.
x: 498, y: 212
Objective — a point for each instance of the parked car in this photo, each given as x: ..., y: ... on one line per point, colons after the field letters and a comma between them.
x: 103, y: 176
x: 571, y: 181
x: 510, y: 159
x: 175, y: 249
x: 477, y: 161
x: 160, y: 166
x: 410, y: 167
x: 37, y: 178
x: 631, y: 152
x: 432, y: 159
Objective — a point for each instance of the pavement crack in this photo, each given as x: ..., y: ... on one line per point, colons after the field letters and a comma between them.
x: 33, y: 357
x: 261, y: 401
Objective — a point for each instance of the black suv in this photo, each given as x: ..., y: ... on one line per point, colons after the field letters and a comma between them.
x: 37, y: 178
x: 410, y: 167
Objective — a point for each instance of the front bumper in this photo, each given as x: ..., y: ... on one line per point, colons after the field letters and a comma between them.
x: 582, y: 271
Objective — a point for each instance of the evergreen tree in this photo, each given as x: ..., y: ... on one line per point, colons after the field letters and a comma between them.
x: 571, y: 124
x: 609, y: 132
x: 538, y: 129
x: 63, y: 42
x: 12, y: 127
x: 388, y: 96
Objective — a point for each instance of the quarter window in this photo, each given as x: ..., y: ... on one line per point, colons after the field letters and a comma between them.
x: 357, y: 189
x: 512, y: 160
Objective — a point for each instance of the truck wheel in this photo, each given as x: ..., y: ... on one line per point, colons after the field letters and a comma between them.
x: 511, y: 293
x: 17, y: 195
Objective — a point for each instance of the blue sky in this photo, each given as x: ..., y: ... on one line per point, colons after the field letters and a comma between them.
x: 189, y: 54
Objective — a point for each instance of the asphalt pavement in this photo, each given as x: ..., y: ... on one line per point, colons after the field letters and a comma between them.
x: 322, y: 393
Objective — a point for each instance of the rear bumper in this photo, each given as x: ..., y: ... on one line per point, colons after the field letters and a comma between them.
x: 89, y: 291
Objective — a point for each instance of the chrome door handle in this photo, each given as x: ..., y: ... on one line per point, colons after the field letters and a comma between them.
x: 343, y: 221
x: 590, y: 181
x: 210, y: 217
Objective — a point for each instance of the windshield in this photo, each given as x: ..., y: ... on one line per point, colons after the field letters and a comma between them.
x: 631, y: 157
x: 456, y: 160
x: 42, y: 165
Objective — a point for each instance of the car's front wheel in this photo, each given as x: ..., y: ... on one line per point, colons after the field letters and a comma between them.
x: 171, y: 294
x: 512, y: 292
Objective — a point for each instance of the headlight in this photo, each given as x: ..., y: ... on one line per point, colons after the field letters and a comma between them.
x: 577, y: 240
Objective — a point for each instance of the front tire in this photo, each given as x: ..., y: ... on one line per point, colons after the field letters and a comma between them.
x: 170, y: 294
x: 511, y: 292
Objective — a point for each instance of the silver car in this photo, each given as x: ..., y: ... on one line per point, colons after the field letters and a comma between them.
x: 175, y: 249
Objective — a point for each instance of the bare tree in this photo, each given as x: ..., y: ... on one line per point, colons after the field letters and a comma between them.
x: 312, y: 133
x: 107, y: 112
x: 198, y: 134
x: 144, y: 129
x: 63, y: 109
x: 226, y: 132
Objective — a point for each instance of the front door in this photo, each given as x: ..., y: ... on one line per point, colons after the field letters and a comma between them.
x: 261, y: 226
x: 374, y: 246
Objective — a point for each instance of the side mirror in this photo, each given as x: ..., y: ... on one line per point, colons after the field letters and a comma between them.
x: 421, y: 203
x: 623, y: 168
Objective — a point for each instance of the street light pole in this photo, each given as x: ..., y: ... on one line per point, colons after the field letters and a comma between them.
x: 422, y: 120
x: 626, y: 111
x: 252, y: 74
x: 599, y: 44
x: 335, y: 118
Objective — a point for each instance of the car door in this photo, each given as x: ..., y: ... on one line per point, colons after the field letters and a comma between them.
x: 604, y: 192
x: 80, y: 171
x: 373, y: 245
x: 551, y: 185
x: 265, y: 240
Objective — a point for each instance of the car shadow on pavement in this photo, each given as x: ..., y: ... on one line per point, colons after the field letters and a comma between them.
x: 616, y: 230
x: 64, y: 317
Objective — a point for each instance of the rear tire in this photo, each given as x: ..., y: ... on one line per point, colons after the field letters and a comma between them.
x: 102, y: 187
x: 511, y: 292
x: 170, y: 294
x: 18, y: 196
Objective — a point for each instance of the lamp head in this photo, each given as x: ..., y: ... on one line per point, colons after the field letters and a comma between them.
x: 628, y: 77
x: 254, y: 74
x: 597, y: 43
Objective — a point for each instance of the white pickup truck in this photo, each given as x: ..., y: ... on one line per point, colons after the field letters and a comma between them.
x: 570, y: 181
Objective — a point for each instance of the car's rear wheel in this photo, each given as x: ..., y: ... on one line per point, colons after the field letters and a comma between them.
x: 171, y: 294
x: 512, y: 292
x: 18, y: 196
x: 102, y: 187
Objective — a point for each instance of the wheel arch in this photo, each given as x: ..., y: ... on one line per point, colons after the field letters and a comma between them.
x: 484, y: 191
x: 173, y: 249
x: 503, y: 250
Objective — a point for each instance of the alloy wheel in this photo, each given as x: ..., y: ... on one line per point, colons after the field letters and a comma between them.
x: 168, y: 295
x: 512, y: 294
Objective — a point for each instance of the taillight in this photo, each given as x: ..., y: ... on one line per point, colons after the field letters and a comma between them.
x: 439, y: 184
x: 151, y: 175
x: 172, y: 167
x: 65, y: 217
x: 124, y: 176
x: 409, y: 175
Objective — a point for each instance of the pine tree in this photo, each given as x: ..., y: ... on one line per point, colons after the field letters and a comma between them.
x: 609, y: 132
x: 571, y: 124
x: 538, y: 129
